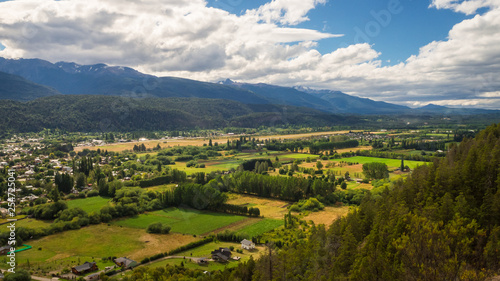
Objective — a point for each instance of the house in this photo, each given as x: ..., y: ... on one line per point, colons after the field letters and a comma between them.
x: 4, y: 213
x: 246, y: 244
x: 4, y: 250
x: 84, y: 268
x: 221, y: 255
x: 126, y: 262
x: 67, y: 169
x: 95, y: 276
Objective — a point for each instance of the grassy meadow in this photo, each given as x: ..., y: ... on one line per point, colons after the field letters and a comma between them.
x: 186, y: 221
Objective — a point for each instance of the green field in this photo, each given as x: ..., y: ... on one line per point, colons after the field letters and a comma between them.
x: 90, y: 204
x: 93, y: 243
x: 298, y: 156
x: 204, y: 251
x: 261, y: 227
x: 32, y: 223
x: 394, y: 163
x: 187, y: 221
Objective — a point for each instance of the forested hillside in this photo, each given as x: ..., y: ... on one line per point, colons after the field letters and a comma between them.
x: 442, y: 223
x: 108, y: 113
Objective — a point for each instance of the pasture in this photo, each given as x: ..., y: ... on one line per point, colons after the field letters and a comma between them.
x: 186, y: 221
x: 66, y: 249
x: 328, y: 215
x: 260, y: 227
x: 391, y: 163
x: 269, y: 208
x: 89, y: 204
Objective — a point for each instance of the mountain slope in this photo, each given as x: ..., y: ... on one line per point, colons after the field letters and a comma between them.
x: 14, y: 87
x: 110, y: 113
x: 350, y: 104
x: 100, y: 79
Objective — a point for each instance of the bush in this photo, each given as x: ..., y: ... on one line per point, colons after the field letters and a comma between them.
x: 159, y: 228
x: 92, y: 193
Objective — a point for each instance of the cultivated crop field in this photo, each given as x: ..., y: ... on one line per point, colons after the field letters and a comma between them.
x: 186, y: 221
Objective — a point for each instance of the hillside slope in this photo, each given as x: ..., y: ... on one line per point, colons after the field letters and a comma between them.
x: 109, y: 113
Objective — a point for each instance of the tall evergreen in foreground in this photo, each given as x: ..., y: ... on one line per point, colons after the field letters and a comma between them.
x: 442, y: 223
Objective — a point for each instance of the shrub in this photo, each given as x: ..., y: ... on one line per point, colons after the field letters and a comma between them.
x: 159, y: 228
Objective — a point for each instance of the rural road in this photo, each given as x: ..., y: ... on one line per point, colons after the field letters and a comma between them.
x: 42, y: 278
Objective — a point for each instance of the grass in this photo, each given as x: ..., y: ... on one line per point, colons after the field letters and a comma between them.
x: 63, y: 250
x: 205, y: 250
x: 269, y: 208
x: 328, y: 215
x: 90, y: 204
x: 185, y: 221
x: 261, y: 227
x: 33, y: 223
x: 394, y: 163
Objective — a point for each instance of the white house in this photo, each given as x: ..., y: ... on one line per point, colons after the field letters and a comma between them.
x: 246, y: 244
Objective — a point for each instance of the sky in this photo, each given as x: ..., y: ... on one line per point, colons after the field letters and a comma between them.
x: 409, y: 52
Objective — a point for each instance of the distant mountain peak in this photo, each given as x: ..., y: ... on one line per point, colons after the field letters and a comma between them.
x: 433, y: 106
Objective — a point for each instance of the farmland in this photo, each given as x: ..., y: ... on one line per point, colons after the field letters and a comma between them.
x: 90, y: 204
x: 66, y: 249
x: 116, y: 147
x: 186, y: 221
x: 204, y: 251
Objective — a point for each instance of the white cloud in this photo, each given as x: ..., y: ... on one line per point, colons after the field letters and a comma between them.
x: 464, y: 6
x: 286, y: 12
x: 188, y: 39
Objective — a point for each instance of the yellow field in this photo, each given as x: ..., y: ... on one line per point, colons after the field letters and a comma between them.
x: 116, y: 147
x: 276, y: 209
x: 328, y: 215
x: 269, y: 208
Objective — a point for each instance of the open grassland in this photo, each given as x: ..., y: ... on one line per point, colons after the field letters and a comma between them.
x: 70, y: 248
x: 269, y: 208
x: 90, y: 204
x: 32, y: 223
x: 187, y: 221
x: 328, y: 215
x: 260, y: 227
x: 391, y: 163
x: 116, y: 147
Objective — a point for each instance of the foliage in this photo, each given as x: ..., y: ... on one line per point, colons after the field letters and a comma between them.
x: 158, y: 227
x: 375, y: 170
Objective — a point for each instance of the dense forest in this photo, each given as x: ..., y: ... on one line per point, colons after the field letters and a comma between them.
x: 441, y: 223
x: 107, y: 113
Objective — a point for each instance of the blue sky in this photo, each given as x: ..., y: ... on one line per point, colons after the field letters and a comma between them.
x: 414, y: 26
x: 409, y: 52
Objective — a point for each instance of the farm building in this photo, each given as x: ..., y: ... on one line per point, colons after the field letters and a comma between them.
x: 126, y: 262
x: 221, y: 255
x: 94, y: 276
x: 84, y: 268
x: 4, y: 250
x: 246, y: 244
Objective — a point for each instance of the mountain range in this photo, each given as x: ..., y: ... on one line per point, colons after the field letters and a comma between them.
x: 28, y: 79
